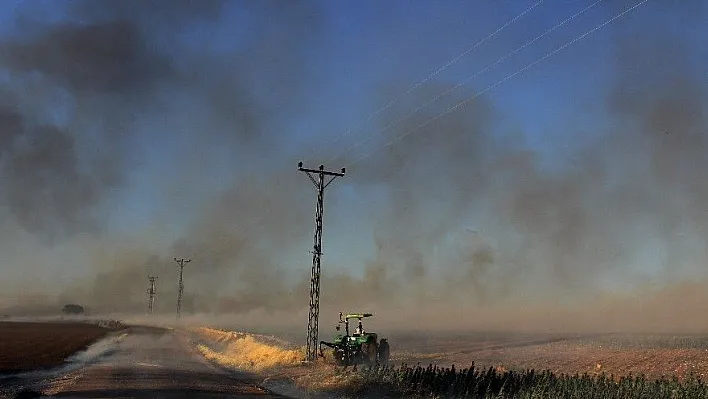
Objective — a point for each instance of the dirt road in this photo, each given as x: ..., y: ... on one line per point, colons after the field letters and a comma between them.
x: 148, y: 363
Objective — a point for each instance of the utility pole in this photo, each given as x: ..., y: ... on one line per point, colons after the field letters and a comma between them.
x: 151, y: 293
x: 318, y: 179
x: 181, y: 262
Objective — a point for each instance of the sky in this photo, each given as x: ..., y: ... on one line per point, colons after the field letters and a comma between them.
x: 155, y: 129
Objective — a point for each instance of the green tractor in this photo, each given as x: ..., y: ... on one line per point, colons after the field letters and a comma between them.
x: 358, y: 348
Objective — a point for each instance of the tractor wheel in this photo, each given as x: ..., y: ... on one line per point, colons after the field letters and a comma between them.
x: 369, y: 351
x: 383, y: 353
x: 340, y: 358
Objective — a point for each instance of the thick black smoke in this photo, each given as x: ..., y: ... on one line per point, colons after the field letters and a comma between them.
x: 120, y: 66
x: 58, y: 169
x: 105, y: 70
x: 46, y: 187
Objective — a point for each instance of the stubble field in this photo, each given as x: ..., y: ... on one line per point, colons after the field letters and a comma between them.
x: 509, y: 365
x: 31, y: 346
x: 653, y: 355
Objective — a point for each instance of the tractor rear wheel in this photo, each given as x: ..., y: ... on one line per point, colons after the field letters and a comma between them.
x: 369, y: 350
x: 383, y: 352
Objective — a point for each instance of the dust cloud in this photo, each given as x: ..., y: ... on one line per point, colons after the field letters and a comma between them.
x: 552, y: 247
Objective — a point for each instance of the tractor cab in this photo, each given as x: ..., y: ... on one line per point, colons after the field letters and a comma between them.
x: 359, y: 330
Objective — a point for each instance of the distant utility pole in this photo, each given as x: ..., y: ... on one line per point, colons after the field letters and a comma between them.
x: 181, y: 262
x: 151, y: 293
x: 318, y: 178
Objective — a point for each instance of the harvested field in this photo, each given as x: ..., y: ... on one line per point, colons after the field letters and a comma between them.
x: 652, y: 355
x: 32, y: 346
x: 565, y: 365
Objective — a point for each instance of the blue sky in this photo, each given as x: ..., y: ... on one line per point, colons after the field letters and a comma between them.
x: 363, y: 55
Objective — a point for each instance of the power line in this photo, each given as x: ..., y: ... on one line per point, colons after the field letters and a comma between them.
x: 504, y: 80
x: 423, y: 81
x: 464, y: 82
x: 435, y: 73
x: 181, y: 263
x: 314, y: 313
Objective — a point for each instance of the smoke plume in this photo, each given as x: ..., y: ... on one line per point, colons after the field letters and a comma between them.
x: 470, y: 225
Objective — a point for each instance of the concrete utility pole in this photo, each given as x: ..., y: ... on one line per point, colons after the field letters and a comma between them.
x: 151, y: 293
x: 314, y: 314
x: 181, y: 262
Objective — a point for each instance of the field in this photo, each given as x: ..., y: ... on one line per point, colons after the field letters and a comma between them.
x: 485, y: 364
x: 496, y: 365
x: 31, y: 346
x: 548, y: 366
x: 652, y: 355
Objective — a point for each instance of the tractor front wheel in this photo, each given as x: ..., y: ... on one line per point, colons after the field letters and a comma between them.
x: 340, y: 357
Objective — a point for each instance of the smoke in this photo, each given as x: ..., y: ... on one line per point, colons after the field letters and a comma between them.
x: 626, y: 196
x: 79, y: 93
x: 66, y: 118
x: 470, y: 225
x: 121, y: 71
x: 106, y: 58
